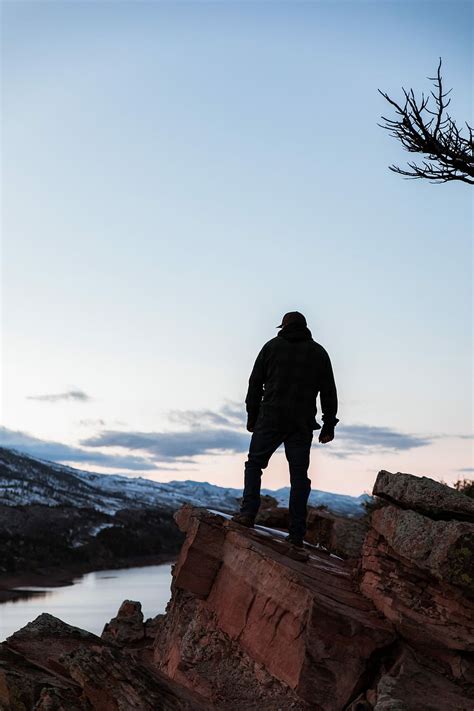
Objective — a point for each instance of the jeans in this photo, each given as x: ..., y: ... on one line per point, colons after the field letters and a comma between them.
x: 266, y: 438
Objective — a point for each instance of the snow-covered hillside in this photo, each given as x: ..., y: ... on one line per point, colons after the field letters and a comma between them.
x: 24, y: 480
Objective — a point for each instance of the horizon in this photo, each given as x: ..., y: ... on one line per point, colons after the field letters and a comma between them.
x: 177, y: 176
x: 171, y: 481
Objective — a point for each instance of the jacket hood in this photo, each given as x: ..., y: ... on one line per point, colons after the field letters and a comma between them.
x: 295, y: 332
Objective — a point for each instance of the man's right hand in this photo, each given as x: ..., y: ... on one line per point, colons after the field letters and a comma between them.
x: 326, y: 435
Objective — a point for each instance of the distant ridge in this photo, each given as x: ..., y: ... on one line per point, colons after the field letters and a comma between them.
x: 25, y: 480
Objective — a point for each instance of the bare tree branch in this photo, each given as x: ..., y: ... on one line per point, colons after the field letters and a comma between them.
x: 432, y: 132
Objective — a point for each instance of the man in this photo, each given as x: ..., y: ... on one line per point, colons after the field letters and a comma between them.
x: 289, y: 372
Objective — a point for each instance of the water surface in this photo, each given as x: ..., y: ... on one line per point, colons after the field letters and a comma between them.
x: 93, y: 599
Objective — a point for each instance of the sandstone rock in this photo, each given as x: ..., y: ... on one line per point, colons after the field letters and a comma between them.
x: 418, y: 571
x: 423, y: 609
x: 424, y: 495
x: 127, y: 627
x: 411, y: 686
x: 52, y: 666
x: 445, y: 549
x: 239, y: 601
x: 53, y: 699
x: 202, y: 550
x: 24, y: 686
x: 274, y: 517
x: 112, y: 683
x: 47, y: 638
x: 203, y: 657
x: 151, y: 626
x: 339, y: 534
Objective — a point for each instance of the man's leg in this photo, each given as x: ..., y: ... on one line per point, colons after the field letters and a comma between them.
x: 297, y: 449
x: 265, y: 440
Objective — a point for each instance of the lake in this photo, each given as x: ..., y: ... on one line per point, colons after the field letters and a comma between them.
x: 93, y: 599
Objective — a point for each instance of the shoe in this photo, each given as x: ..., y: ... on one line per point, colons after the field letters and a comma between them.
x: 295, y: 541
x: 245, y: 519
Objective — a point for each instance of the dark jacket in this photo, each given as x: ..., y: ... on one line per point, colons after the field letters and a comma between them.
x: 289, y: 372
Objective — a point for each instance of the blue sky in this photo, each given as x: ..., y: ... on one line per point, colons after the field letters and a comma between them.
x: 176, y: 176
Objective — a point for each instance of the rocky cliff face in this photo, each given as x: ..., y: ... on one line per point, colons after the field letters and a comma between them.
x: 243, y: 609
x: 249, y: 626
x: 417, y: 568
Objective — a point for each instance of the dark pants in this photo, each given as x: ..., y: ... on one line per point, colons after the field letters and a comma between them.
x: 265, y: 440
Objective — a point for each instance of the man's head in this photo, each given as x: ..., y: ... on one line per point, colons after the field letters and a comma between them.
x: 292, y: 317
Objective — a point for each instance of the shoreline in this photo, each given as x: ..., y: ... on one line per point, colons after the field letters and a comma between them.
x: 61, y: 576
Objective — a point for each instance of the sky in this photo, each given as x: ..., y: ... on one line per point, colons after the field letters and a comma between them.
x: 178, y: 175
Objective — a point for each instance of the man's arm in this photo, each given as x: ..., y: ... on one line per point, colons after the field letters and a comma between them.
x: 328, y: 395
x: 255, y: 390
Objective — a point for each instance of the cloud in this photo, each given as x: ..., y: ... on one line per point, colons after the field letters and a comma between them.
x: 211, y: 432
x: 466, y: 470
x: 231, y: 414
x: 174, y: 446
x: 204, y: 432
x: 197, y: 418
x: 363, y: 439
x: 57, y: 452
x: 77, y: 395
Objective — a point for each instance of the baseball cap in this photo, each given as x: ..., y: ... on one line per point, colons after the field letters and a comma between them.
x: 292, y: 317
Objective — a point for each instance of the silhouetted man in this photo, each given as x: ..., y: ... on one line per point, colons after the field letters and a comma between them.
x: 289, y: 372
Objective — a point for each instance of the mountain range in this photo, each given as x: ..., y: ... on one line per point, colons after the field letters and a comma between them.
x: 25, y: 480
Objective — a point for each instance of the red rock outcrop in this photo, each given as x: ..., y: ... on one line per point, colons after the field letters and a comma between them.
x: 279, y: 633
x: 275, y: 632
x: 418, y: 570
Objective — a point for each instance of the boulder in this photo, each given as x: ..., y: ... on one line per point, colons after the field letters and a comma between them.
x: 127, y: 627
x: 424, y: 495
x: 274, y: 517
x: 341, y: 535
x: 338, y: 534
x: 444, y: 549
x: 406, y: 684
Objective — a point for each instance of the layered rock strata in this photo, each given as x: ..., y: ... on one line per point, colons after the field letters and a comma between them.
x: 417, y: 568
x: 249, y: 627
